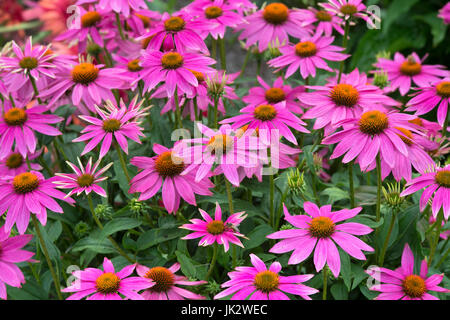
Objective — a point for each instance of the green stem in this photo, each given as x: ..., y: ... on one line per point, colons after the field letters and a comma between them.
x: 272, y: 199
x: 280, y: 209
x: 439, y: 219
x: 216, y: 111
x: 213, y: 262
x: 195, y: 109
x: 352, y: 189
x: 47, y: 257
x: 386, y: 241
x: 122, y: 161
x: 36, y: 92
x: 178, y: 122
x: 230, y: 205
x: 379, y: 185
x: 223, y: 56
x: 244, y: 66
x: 119, y: 26
x: 344, y: 45
x: 325, y: 278
x: 443, y: 258
x: 445, y: 126
x: 214, y: 48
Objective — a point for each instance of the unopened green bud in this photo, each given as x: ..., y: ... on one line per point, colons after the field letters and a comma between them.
x: 380, y: 79
x: 81, y: 229
x: 392, y: 195
x: 296, y: 181
x: 104, y: 211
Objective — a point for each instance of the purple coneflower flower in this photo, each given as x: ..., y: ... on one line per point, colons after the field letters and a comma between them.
x: 120, y: 6
x: 349, y: 9
x: 14, y: 163
x: 326, y: 20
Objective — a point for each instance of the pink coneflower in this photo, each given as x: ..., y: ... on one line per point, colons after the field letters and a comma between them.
x: 11, y: 253
x: 90, y: 83
x: 18, y: 125
x: 14, y: 163
x: 274, y: 23
x: 350, y: 8
x: 84, y: 180
x: 436, y: 182
x: 326, y: 20
x: 120, y: 6
x: 178, y: 29
x: 373, y: 132
x: 166, y: 283
x: 174, y: 69
x: 118, y: 123
x: 334, y: 102
x: 307, y: 55
x: 216, y: 230
x: 165, y: 170
x: 444, y: 13
x: 278, y: 92
x: 402, y: 71
x: 107, y: 284
x: 319, y: 228
x: 132, y: 69
x: 262, y: 283
x: 403, y: 283
x: 428, y: 97
x: 218, y: 14
x: 269, y: 118
x: 27, y: 193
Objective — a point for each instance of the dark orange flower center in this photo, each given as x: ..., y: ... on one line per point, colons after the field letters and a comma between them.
x: 373, y: 122
x: 414, y: 286
x: 276, y: 13
x: 410, y: 67
x: 145, y: 42
x: 111, y: 125
x: 213, y: 12
x: 28, y: 63
x: 321, y: 227
x: 199, y: 75
x: 25, y: 182
x: 407, y: 136
x: 275, y: 95
x: 85, y: 180
x: 265, y: 112
x: 145, y: 20
x: 344, y: 95
x: 443, y: 178
x: 164, y: 279
x: 172, y: 60
x: 84, y: 73
x: 305, y: 49
x: 134, y: 66
x: 168, y: 165
x: 215, y: 227
x: 323, y: 15
x: 417, y: 121
x: 443, y: 89
x: 174, y: 24
x: 349, y: 9
x: 267, y: 281
x: 107, y: 283
x: 15, y: 116
x: 89, y: 19
x: 221, y: 142
x: 14, y: 161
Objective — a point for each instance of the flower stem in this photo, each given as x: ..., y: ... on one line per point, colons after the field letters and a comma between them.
x: 213, y: 48
x: 352, y: 189
x: 437, y: 236
x: 445, y: 126
x: 271, y: 200
x: 100, y: 225
x: 216, y: 111
x: 47, y: 257
x: 386, y: 241
x: 230, y: 205
x: 178, y: 122
x: 223, y: 56
x: 36, y: 92
x: 378, y: 208
x: 122, y: 161
x: 244, y: 65
x: 213, y: 262
x: 195, y: 109
x: 344, y: 45
x: 119, y: 26
x: 443, y: 258
x: 325, y: 278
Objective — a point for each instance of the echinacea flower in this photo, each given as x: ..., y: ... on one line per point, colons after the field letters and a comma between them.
x: 14, y: 163
x: 326, y: 20
x: 11, y: 253
x: 166, y: 283
x: 319, y: 230
x: 373, y: 133
x: 275, y: 22
x: 107, y: 284
x: 335, y: 101
x: 120, y: 6
x: 261, y: 283
x: 165, y: 170
x: 403, y: 284
x: 444, y: 13
x: 216, y: 230
x: 436, y: 182
x: 84, y: 179
x: 428, y: 97
x: 115, y: 125
x: 349, y: 9
x: 403, y: 71
x: 27, y: 193
x: 307, y: 55
x: 18, y: 125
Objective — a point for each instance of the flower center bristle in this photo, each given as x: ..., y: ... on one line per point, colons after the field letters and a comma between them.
x: 85, y: 180
x: 107, y: 283
x: 174, y: 24
x: 443, y: 89
x: 145, y: 42
x: 14, y: 161
x: 163, y: 278
x: 215, y: 227
x: 265, y: 112
x: 28, y: 63
x: 145, y: 20
x: 84, y: 73
x: 221, y: 142
x: 15, y: 116
x: 199, y: 75
x: 267, y: 281
x: 410, y: 67
x: 407, y: 136
x: 89, y: 19
x: 442, y: 178
x: 305, y: 49
x: 213, y: 12
x: 25, y: 182
x: 134, y: 66
x: 373, y: 122
x: 276, y: 13
x: 414, y: 286
x: 321, y: 227
x: 417, y: 121
x: 172, y: 60
x: 168, y: 165
x: 111, y: 125
x: 349, y: 9
x: 344, y: 95
x: 275, y: 95
x: 323, y: 15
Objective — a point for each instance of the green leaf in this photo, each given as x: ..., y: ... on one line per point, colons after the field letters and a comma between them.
x: 367, y: 220
x: 438, y: 28
x: 20, y: 26
x: 102, y: 246
x: 346, y: 270
x: 121, y: 178
x: 157, y: 236
x: 335, y: 194
x: 186, y: 265
x: 119, y: 224
x: 257, y: 236
x: 339, y: 291
x: 395, y: 10
x: 359, y: 275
